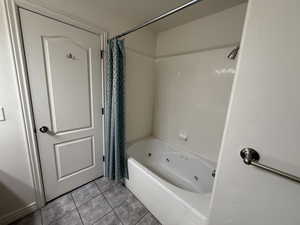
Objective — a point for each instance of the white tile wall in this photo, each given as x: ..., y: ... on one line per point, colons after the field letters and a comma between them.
x: 192, y: 97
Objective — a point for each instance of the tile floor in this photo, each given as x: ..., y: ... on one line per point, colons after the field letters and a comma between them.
x: 101, y: 202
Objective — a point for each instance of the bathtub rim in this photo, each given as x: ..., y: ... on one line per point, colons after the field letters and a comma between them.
x: 167, y: 148
x: 174, y: 148
x: 187, y: 198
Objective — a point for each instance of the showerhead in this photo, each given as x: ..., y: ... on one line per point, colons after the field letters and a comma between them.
x: 233, y: 54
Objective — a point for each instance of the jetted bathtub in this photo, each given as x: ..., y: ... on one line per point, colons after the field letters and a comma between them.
x: 174, y: 185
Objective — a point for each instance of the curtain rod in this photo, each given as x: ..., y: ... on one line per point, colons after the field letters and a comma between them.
x: 155, y: 19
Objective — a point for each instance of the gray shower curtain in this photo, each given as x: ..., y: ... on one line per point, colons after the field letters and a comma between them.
x: 114, y: 132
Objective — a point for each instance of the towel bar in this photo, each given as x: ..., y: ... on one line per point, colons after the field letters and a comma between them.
x: 251, y: 157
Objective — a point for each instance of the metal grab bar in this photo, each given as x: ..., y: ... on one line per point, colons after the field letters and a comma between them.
x: 251, y: 157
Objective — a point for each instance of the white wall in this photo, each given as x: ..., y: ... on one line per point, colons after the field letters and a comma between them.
x: 140, y: 95
x: 263, y: 114
x: 16, y: 185
x: 191, y: 96
x: 218, y: 30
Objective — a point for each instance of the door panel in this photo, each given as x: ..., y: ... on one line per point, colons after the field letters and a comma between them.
x: 264, y: 115
x: 63, y: 64
x: 82, y: 149
x: 70, y: 110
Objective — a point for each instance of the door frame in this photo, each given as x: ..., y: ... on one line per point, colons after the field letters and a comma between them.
x: 24, y: 95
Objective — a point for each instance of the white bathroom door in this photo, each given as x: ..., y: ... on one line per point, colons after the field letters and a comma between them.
x: 264, y: 114
x: 63, y: 64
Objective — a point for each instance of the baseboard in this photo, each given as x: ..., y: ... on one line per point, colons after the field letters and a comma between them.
x: 17, y: 214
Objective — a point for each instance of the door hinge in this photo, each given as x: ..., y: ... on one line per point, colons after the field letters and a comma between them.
x: 103, y: 158
x: 102, y: 111
x: 102, y: 54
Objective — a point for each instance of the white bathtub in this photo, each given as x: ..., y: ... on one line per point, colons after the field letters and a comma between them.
x: 174, y: 185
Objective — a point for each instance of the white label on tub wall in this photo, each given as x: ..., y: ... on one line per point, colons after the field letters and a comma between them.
x: 183, y: 135
x: 2, y: 115
x: 225, y: 71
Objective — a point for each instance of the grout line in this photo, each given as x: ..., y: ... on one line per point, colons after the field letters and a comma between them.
x: 91, y: 200
x: 140, y: 53
x: 99, y: 188
x: 196, y: 51
x: 154, y: 218
x: 116, y: 215
x: 102, y: 216
x: 142, y: 217
x: 125, y: 202
x: 40, y: 215
x: 113, y: 209
x: 107, y: 199
x: 77, y: 210
x: 147, y: 211
x: 144, y: 207
x: 82, y: 203
x: 100, y: 194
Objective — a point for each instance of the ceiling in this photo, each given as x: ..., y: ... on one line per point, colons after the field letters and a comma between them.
x: 138, y: 11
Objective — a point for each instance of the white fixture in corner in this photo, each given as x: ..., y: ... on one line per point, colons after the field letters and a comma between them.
x: 183, y: 136
x: 225, y: 71
x: 2, y: 115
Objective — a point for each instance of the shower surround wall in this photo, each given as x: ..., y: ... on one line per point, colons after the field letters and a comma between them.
x: 194, y: 79
x: 140, y: 81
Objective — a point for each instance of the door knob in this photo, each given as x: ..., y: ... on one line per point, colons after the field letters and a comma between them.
x: 44, y: 129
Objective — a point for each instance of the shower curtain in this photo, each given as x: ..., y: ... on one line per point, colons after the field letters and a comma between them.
x: 114, y: 132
